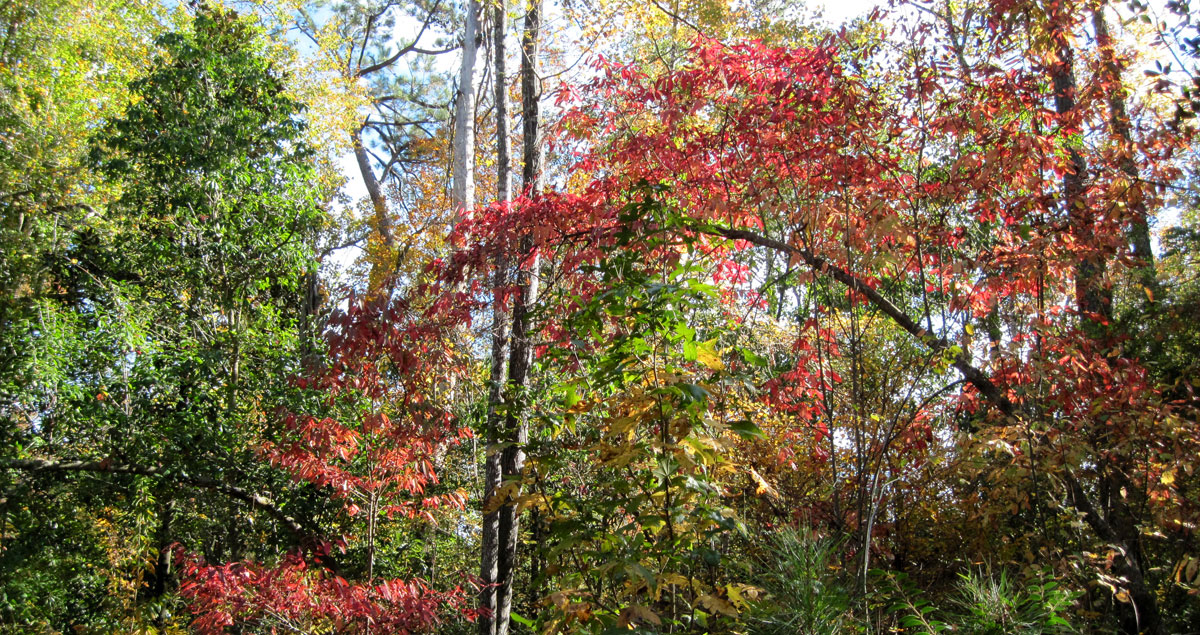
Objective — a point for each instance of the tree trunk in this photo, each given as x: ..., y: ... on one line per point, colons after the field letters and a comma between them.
x: 162, y: 566
x: 310, y: 328
x: 1138, y: 233
x: 382, y: 222
x: 463, y: 190
x: 489, y: 549
x: 1094, y: 301
x: 520, y: 359
x: 1092, y: 298
x: 1140, y: 616
x: 382, y: 241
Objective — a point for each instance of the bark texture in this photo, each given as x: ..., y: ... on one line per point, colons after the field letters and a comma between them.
x: 1138, y: 232
x: 489, y: 548
x: 463, y: 189
x: 516, y: 430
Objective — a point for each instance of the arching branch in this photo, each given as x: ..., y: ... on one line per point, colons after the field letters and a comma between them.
x: 973, y: 375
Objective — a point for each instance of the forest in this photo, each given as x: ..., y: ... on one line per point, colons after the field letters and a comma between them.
x: 599, y: 316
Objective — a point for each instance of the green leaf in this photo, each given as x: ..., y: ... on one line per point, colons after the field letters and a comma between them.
x: 690, y: 351
x: 754, y: 359
x: 746, y: 429
x: 571, y: 395
x: 643, y: 573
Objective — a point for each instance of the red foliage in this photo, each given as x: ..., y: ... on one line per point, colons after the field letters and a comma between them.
x: 909, y: 186
x: 387, y: 363
x: 296, y: 596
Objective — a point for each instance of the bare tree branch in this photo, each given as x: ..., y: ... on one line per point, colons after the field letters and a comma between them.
x: 404, y: 50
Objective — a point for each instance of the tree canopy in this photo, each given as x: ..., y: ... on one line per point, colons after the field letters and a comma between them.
x: 784, y: 328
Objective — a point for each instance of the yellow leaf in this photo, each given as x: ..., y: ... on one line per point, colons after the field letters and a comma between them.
x: 621, y: 426
x: 763, y: 487
x: 1168, y: 478
x: 718, y: 605
x: 638, y: 612
x: 501, y: 497
x: 529, y: 500
x: 558, y: 599
x: 706, y: 353
x: 673, y: 579
x: 742, y: 594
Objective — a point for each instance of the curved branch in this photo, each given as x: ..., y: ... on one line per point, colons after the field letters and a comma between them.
x: 404, y: 50
x: 975, y: 376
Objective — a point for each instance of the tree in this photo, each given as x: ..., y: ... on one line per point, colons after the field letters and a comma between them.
x: 372, y: 450
x: 63, y: 69
x: 406, y: 101
x: 791, y: 331
x: 177, y: 312
x: 752, y: 137
x: 464, y: 114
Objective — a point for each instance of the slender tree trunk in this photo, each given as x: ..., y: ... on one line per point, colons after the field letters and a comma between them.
x: 489, y: 549
x: 383, y: 223
x: 520, y: 359
x: 162, y: 566
x: 532, y: 152
x: 310, y: 329
x: 1138, y: 233
x: 1144, y: 618
x: 463, y: 190
x: 1094, y: 302
x: 383, y: 240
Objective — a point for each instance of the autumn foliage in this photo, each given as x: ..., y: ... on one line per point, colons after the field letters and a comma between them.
x: 799, y: 331
x: 299, y: 594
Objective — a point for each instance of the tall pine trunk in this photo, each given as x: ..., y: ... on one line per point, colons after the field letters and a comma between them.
x: 489, y: 549
x: 516, y: 430
x: 383, y: 239
x: 463, y: 188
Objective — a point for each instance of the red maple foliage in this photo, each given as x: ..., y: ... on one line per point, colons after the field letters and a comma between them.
x: 297, y: 596
x: 386, y: 367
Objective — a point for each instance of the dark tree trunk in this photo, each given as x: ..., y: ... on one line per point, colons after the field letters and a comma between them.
x: 1093, y: 299
x: 162, y: 566
x: 489, y: 549
x: 1094, y: 302
x: 516, y: 431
